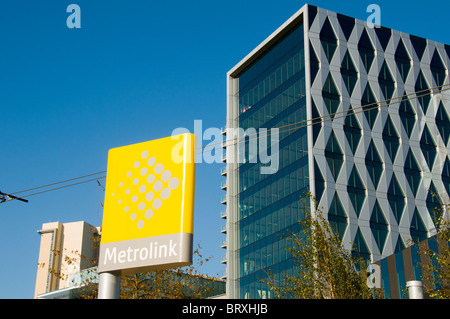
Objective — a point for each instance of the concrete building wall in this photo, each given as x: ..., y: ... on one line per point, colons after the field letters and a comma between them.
x: 65, y: 249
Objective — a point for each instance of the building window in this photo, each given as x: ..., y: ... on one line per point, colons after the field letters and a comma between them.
x: 412, y: 172
x: 407, y: 116
x: 437, y: 69
x: 387, y: 83
x: 428, y: 147
x: 434, y: 205
x: 356, y: 190
x: 446, y: 175
x: 319, y: 182
x: 334, y: 155
x: 369, y: 105
x: 328, y: 40
x: 331, y: 96
x: 360, y: 249
x: 418, y: 230
x: 374, y: 164
x: 316, y: 121
x: 366, y: 50
x: 379, y: 226
x: 396, y: 198
x: 419, y: 45
x: 352, y: 130
x: 402, y: 60
x: 423, y: 92
x: 337, y: 217
x: 391, y: 139
x: 443, y: 123
x: 314, y: 63
x: 349, y: 73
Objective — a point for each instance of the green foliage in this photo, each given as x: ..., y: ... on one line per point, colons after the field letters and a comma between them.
x: 177, y: 283
x: 435, y: 265
x: 323, y: 268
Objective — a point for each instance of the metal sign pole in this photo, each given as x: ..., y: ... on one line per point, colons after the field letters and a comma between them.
x: 109, y: 285
x: 128, y: 244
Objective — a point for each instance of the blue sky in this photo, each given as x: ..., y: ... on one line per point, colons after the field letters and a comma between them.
x: 135, y: 71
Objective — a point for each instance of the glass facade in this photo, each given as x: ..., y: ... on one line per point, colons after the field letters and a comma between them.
x: 373, y: 157
x: 377, y: 130
x: 272, y: 94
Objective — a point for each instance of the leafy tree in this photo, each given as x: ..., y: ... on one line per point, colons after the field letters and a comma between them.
x: 323, y: 268
x: 435, y: 265
x: 176, y: 283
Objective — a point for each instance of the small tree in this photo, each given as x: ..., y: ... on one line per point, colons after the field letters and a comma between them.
x: 435, y: 265
x: 323, y: 268
x: 176, y: 283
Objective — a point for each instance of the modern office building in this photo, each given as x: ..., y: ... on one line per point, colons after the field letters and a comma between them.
x: 413, y: 264
x: 363, y: 117
x: 67, y: 253
x: 68, y: 256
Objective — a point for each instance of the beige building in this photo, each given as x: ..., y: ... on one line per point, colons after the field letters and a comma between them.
x: 66, y: 250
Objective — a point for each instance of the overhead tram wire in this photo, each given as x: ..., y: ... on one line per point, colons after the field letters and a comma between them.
x: 52, y: 189
x: 328, y: 117
x: 64, y: 181
x: 55, y: 188
x: 238, y: 140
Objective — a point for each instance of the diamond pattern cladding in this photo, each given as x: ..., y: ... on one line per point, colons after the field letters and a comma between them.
x: 375, y: 165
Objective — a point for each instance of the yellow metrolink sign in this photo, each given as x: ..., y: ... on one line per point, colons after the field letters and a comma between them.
x: 148, y: 216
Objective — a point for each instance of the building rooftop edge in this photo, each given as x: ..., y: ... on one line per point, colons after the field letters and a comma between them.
x: 256, y: 52
x: 280, y: 31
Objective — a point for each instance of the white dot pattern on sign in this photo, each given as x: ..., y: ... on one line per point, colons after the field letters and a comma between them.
x: 165, y: 193
x: 165, y: 176
x: 158, y: 177
x: 150, y: 178
x: 173, y: 183
x: 149, y: 196
x: 157, y: 203
x: 159, y: 168
x: 157, y: 186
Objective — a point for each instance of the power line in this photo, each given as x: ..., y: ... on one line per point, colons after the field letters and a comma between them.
x: 52, y: 189
x: 238, y: 140
x: 329, y: 117
x: 7, y: 197
x: 64, y: 181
